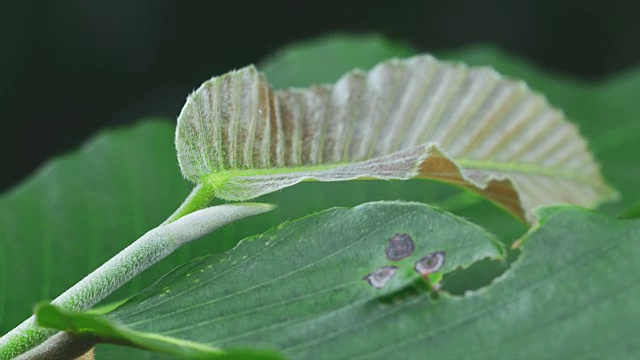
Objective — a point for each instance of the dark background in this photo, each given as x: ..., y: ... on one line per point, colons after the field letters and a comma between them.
x: 70, y: 68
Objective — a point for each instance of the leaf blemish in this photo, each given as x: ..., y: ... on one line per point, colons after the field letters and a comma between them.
x: 429, y: 263
x: 400, y: 246
x: 381, y: 277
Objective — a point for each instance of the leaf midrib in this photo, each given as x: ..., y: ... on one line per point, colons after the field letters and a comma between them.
x: 219, y: 179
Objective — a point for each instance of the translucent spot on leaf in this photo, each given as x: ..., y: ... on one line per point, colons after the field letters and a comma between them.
x: 209, y: 266
x: 188, y: 275
x: 400, y: 246
x: 430, y: 263
x: 380, y: 277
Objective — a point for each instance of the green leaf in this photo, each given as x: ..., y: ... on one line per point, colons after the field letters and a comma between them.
x: 304, y: 280
x: 632, y: 213
x: 58, y: 318
x: 299, y: 289
x: 326, y: 58
x: 237, y: 138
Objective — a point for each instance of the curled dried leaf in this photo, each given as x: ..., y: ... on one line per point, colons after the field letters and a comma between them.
x: 405, y: 118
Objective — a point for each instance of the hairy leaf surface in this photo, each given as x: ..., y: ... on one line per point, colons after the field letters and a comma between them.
x: 403, y: 119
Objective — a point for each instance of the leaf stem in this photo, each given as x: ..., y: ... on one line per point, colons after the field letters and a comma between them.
x: 200, y: 196
x: 185, y: 225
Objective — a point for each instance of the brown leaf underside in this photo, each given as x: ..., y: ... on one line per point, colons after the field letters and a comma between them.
x: 501, y: 192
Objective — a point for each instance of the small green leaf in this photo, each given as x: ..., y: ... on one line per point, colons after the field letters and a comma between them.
x: 58, y: 318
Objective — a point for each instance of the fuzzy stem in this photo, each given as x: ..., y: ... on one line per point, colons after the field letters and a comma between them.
x: 144, y: 252
x: 199, y: 197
